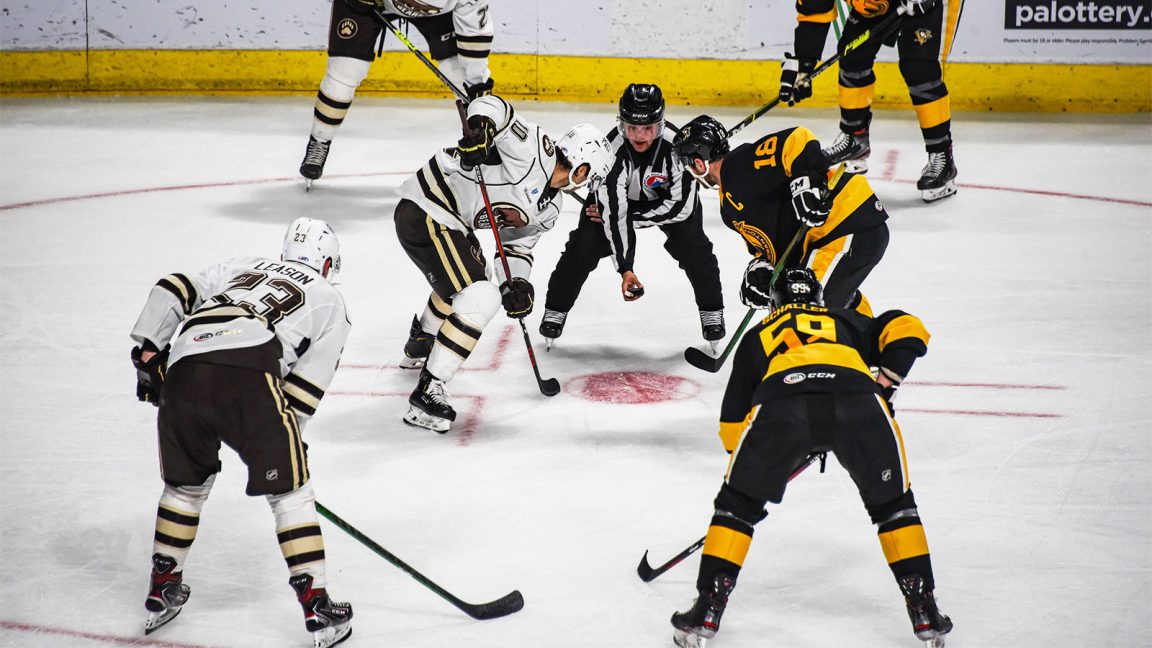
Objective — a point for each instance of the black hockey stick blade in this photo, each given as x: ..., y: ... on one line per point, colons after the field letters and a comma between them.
x: 703, y: 361
x: 503, y: 606
x: 550, y: 387
x: 647, y: 573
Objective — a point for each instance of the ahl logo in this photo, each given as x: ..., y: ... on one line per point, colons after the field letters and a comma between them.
x: 347, y: 28
x: 886, y: 475
x: 923, y: 36
x: 204, y: 337
x: 879, y: 206
x: 654, y: 180
x: 476, y: 254
x: 549, y: 147
x: 271, y: 475
x: 793, y: 378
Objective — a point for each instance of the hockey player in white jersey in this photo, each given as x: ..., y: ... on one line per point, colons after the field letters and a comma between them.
x: 459, y: 37
x: 440, y: 209
x: 257, y: 342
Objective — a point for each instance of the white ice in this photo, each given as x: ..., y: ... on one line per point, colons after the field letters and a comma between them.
x: 1026, y: 426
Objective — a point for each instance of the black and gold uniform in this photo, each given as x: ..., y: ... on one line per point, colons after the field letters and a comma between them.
x: 800, y: 384
x: 918, y: 41
x: 755, y: 201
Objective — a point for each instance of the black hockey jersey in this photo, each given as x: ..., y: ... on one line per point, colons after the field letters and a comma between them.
x: 756, y: 203
x: 802, y: 349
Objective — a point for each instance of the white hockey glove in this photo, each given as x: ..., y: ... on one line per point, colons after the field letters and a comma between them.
x: 811, y: 199
x: 917, y: 7
x: 754, y: 289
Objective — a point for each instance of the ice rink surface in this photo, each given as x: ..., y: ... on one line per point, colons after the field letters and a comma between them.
x: 1027, y: 425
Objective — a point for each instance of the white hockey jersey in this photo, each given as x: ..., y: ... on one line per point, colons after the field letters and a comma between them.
x: 519, y: 182
x: 244, y: 303
x: 470, y: 22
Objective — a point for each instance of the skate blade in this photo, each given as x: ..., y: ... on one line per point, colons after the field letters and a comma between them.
x: 935, y: 642
x: 858, y: 167
x: 417, y: 418
x: 332, y: 635
x: 682, y: 639
x: 714, y: 344
x: 308, y: 184
x: 932, y: 195
x: 412, y: 363
x: 157, y: 620
x: 547, y: 344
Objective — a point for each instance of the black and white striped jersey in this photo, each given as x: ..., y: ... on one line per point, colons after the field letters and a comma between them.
x: 652, y: 188
x: 242, y: 305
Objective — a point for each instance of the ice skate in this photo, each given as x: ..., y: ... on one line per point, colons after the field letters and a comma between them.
x: 167, y: 595
x: 314, y: 157
x: 329, y: 622
x: 928, y: 622
x: 712, y: 327
x: 552, y: 326
x: 428, y: 405
x: 417, y: 348
x: 852, y: 149
x: 938, y: 178
x: 692, y: 629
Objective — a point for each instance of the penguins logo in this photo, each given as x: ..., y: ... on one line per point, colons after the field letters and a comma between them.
x: 923, y: 36
x: 346, y: 29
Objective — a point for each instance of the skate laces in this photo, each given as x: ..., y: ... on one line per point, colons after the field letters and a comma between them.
x: 436, y: 393
x: 936, y: 163
x: 711, y: 318
x: 555, y: 317
x: 317, y: 151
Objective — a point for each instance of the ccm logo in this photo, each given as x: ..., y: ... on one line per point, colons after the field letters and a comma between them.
x: 793, y: 378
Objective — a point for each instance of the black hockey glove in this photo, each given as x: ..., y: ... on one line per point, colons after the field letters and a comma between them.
x: 475, y: 146
x: 149, y: 375
x: 811, y: 199
x: 517, y: 296
x: 917, y: 7
x: 478, y: 90
x: 754, y: 290
x: 793, y: 88
x: 889, y: 392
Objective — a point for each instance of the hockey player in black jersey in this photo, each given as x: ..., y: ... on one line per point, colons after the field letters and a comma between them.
x: 801, y: 383
x: 778, y: 185
x: 647, y: 186
x: 255, y: 342
x: 918, y: 39
x: 459, y: 37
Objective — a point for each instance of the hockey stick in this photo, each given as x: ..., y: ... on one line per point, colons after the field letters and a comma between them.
x: 871, y: 32
x: 548, y: 386
x: 648, y: 573
x: 420, y: 55
x: 503, y: 606
x: 701, y: 360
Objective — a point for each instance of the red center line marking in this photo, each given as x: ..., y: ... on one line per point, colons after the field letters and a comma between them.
x: 207, y: 185
x: 980, y: 413
x: 106, y: 638
x: 464, y: 430
x: 890, y: 160
x: 928, y: 383
x: 210, y: 185
x: 494, y: 361
x: 1041, y: 192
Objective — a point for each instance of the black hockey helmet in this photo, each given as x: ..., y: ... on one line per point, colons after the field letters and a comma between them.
x: 642, y: 104
x: 703, y: 138
x: 797, y: 286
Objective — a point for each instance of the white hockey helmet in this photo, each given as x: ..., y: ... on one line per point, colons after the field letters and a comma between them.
x: 313, y: 243
x: 586, y: 144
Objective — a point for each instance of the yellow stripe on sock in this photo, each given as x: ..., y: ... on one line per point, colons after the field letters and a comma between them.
x: 727, y: 544
x: 902, y: 544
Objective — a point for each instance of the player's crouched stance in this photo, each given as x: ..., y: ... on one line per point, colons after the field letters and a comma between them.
x: 800, y: 384
x: 436, y: 218
x: 257, y: 343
